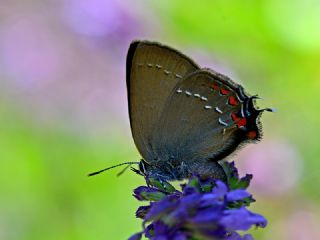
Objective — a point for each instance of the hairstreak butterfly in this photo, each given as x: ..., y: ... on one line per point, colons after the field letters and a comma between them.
x: 184, y: 118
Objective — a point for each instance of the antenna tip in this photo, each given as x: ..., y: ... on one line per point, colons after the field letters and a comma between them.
x: 92, y: 174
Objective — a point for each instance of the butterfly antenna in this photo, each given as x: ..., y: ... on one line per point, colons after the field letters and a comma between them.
x: 105, y: 169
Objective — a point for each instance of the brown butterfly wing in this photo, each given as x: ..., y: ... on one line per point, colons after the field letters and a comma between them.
x: 207, y: 116
x: 153, y: 70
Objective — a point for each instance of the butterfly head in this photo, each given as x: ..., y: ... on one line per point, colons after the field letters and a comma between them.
x: 141, y: 168
x: 162, y: 171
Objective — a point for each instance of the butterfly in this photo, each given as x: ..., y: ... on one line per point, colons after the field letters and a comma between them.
x: 184, y: 118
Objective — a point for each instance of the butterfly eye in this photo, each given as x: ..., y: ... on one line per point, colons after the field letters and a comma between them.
x: 142, y: 167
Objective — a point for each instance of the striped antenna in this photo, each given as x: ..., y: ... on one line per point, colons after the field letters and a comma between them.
x: 108, y: 168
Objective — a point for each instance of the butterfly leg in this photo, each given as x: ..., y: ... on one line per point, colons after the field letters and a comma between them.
x: 160, y: 183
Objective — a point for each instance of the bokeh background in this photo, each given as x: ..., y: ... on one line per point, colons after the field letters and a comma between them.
x: 63, y: 108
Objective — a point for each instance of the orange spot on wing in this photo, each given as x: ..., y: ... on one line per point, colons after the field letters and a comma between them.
x: 252, y: 134
x: 233, y: 101
x: 234, y: 117
x: 214, y: 86
x: 242, y: 122
x: 224, y: 91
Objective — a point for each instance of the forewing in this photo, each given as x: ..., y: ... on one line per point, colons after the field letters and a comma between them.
x: 153, y: 71
x: 207, y: 116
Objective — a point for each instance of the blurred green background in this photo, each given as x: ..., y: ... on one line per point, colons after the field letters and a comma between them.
x: 63, y: 108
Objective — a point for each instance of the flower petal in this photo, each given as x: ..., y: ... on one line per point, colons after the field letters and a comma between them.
x: 162, y: 207
x: 142, y: 211
x: 241, y: 219
x: 136, y: 236
x: 220, y: 189
x: 237, y: 236
x: 237, y: 195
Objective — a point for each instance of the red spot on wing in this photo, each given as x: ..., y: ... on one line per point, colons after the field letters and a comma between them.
x: 252, y: 134
x: 214, y: 86
x: 224, y: 91
x: 242, y: 122
x: 234, y: 117
x: 233, y: 101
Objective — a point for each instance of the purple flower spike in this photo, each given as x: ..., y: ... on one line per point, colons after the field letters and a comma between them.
x: 203, y: 209
x: 161, y: 208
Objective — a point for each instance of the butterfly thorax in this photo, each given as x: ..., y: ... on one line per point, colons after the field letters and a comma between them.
x: 176, y: 170
x: 179, y: 170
